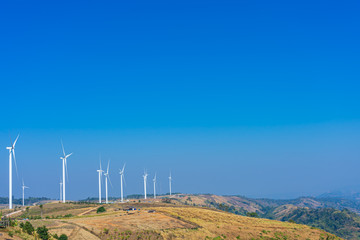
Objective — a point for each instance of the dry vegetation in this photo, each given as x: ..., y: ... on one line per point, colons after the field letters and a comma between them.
x: 224, y: 225
x: 169, y: 221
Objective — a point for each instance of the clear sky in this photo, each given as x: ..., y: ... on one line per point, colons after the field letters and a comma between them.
x: 255, y: 98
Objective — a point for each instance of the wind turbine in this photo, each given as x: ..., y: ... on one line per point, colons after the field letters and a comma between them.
x: 64, y: 168
x: 61, y: 190
x: 170, y: 179
x: 23, y: 190
x: 121, y: 181
x: 154, y: 180
x: 145, y: 178
x: 100, y: 171
x: 107, y: 176
x: 11, y: 153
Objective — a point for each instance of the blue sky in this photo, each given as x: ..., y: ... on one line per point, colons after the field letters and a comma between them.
x: 253, y: 98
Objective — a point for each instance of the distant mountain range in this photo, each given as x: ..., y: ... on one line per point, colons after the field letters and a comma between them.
x: 353, y: 195
x: 340, y: 216
x: 28, y: 201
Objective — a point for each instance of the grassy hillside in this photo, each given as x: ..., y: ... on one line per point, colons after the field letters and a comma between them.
x: 165, y: 221
x: 329, y: 214
x: 344, y: 223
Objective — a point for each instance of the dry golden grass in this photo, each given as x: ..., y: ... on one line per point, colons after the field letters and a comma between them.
x: 56, y: 208
x: 138, y: 221
x: 215, y: 223
x: 201, y: 200
x: 168, y: 222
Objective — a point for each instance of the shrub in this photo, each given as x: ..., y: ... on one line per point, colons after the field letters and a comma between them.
x: 252, y: 214
x: 100, y: 210
x: 28, y: 228
x: 43, y: 233
x: 63, y: 237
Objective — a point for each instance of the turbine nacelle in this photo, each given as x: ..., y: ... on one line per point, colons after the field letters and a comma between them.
x: 145, y: 174
x: 122, y: 170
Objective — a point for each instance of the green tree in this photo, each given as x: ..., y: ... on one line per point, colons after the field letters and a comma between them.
x: 252, y: 214
x: 41, y: 208
x: 43, y: 233
x: 63, y: 237
x: 101, y: 209
x: 27, y: 227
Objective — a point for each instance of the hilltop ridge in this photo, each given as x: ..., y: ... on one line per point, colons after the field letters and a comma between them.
x: 335, y: 215
x: 159, y: 220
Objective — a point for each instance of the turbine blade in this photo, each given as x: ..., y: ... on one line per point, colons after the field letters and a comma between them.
x: 108, y: 176
x: 107, y: 171
x: 15, y: 140
x: 124, y: 179
x: 123, y: 167
x: 13, y: 153
x: 62, y: 145
x: 68, y: 155
x: 11, y: 143
x: 100, y: 164
x: 66, y: 171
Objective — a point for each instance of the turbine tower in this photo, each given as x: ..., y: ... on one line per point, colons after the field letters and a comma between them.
x: 23, y: 190
x: 154, y: 180
x: 107, y: 176
x: 11, y: 153
x: 100, y: 171
x: 61, y: 190
x: 170, y: 183
x: 145, y: 178
x: 64, y: 168
x: 121, y: 181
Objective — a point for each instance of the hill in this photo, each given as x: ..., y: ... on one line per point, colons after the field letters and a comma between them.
x: 335, y: 215
x: 158, y: 220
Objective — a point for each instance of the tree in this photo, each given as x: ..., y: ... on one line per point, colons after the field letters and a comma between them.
x: 63, y: 237
x: 41, y: 207
x: 100, y: 210
x: 43, y: 233
x: 27, y: 227
x: 252, y: 214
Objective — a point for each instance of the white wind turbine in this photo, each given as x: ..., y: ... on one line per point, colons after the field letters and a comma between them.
x: 100, y: 171
x: 121, y: 181
x: 107, y: 176
x: 23, y: 194
x: 170, y: 179
x: 145, y: 178
x: 64, y: 168
x: 11, y: 153
x: 154, y: 180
